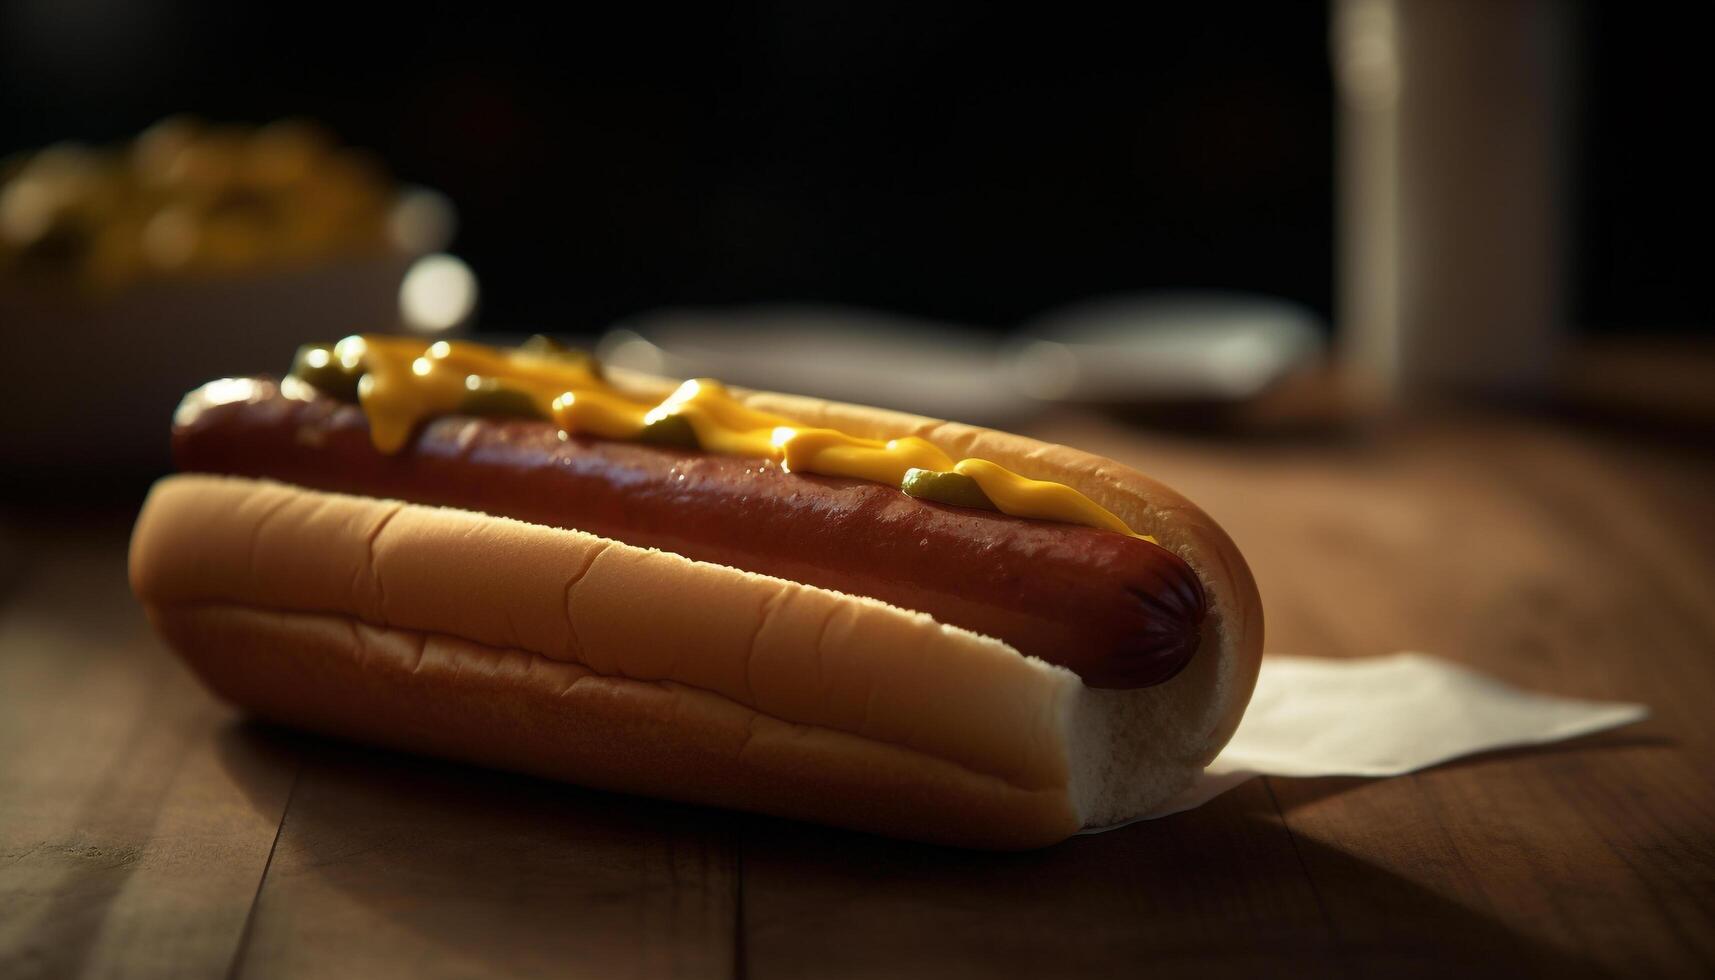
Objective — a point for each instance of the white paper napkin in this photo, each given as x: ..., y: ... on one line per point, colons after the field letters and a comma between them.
x: 1384, y: 716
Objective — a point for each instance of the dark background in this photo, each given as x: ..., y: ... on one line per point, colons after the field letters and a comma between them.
x: 942, y: 159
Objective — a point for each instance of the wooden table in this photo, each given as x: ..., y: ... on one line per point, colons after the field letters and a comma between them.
x: 147, y: 831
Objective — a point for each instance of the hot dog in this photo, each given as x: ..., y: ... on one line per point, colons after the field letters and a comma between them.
x: 1117, y: 610
x: 1033, y: 563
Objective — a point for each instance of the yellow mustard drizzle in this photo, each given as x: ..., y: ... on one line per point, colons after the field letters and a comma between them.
x: 405, y: 382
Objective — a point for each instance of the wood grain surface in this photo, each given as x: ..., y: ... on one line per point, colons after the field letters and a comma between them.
x: 147, y: 831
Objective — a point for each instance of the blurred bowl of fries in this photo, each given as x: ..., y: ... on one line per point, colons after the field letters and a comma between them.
x: 131, y: 273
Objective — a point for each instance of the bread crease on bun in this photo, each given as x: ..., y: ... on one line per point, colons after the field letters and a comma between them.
x: 575, y: 657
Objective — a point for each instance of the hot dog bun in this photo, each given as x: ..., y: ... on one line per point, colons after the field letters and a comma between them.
x: 575, y: 657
